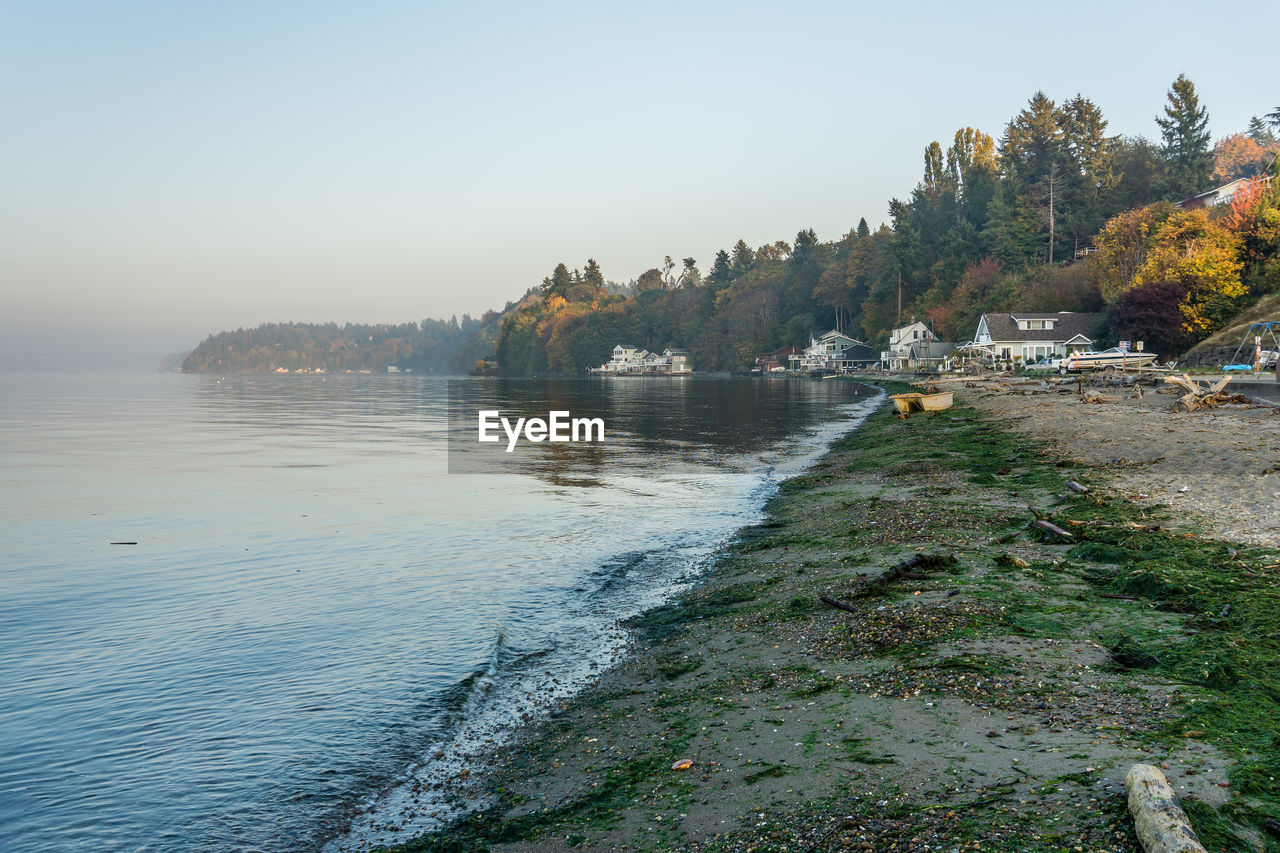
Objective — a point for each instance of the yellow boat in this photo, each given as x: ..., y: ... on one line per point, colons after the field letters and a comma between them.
x: 917, y: 402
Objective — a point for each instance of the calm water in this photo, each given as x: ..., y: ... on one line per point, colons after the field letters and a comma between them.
x: 313, y: 604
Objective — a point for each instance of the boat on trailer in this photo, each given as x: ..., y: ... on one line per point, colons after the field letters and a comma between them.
x: 1114, y: 357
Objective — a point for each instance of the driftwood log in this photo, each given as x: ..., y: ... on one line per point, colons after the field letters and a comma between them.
x: 914, y: 568
x: 1202, y: 395
x: 1050, y: 527
x: 1160, y: 823
x: 1098, y: 397
x: 839, y: 605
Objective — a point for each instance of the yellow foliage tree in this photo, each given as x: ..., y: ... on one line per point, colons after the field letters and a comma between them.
x: 1122, y: 247
x: 1201, y: 255
x: 1158, y: 245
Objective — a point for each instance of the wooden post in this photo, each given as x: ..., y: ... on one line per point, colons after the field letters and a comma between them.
x: 1159, y: 821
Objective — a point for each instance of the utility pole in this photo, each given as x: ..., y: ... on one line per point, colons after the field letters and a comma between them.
x: 1053, y: 177
x: 899, y: 294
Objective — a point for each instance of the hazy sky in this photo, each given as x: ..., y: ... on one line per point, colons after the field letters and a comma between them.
x: 171, y: 169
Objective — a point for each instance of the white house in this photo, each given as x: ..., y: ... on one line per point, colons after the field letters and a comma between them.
x: 1221, y: 195
x: 630, y: 360
x: 903, y: 345
x: 1028, y: 336
x: 626, y: 359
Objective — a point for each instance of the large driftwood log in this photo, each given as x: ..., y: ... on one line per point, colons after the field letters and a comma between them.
x: 1159, y: 821
x: 1050, y: 527
x: 1201, y: 394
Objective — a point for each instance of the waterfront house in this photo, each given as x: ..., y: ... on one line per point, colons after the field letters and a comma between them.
x: 678, y: 361
x: 628, y: 360
x: 821, y: 349
x: 860, y: 356
x: 900, y: 354
x: 1027, y: 336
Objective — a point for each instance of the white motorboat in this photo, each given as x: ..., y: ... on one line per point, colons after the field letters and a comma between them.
x: 1114, y: 357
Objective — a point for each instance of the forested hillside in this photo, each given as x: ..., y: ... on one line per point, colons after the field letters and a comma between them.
x: 1055, y: 215
x: 425, y: 347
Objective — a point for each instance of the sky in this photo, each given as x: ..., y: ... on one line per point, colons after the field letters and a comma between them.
x: 170, y: 170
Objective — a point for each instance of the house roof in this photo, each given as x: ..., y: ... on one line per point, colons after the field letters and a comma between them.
x: 858, y: 352
x: 911, y: 326
x: 833, y: 333
x: 1216, y: 190
x: 1004, y: 327
x: 677, y: 351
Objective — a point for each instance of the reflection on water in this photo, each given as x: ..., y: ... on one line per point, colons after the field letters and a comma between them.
x: 700, y: 425
x: 313, y: 603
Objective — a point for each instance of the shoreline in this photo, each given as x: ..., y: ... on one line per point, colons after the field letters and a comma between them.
x: 505, y: 703
x: 996, y: 700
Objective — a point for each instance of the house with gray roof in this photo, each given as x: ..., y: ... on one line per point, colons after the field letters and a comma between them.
x: 1029, y: 336
x: 911, y: 347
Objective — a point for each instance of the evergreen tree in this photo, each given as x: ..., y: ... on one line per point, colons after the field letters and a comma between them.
x: 1260, y: 133
x: 721, y: 275
x: 1032, y: 140
x: 1186, y: 158
x: 1089, y: 177
x: 558, y: 283
x: 864, y: 230
x: 592, y: 274
x: 744, y: 259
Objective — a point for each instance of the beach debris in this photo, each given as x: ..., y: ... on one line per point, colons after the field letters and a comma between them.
x: 1077, y: 488
x: 124, y: 543
x: 914, y: 568
x: 1098, y: 397
x: 1050, y: 527
x: 1202, y: 395
x: 683, y: 764
x: 1158, y: 820
x: 839, y: 605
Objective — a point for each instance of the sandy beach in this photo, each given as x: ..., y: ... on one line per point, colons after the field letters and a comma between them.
x: 899, y: 658
x: 1219, y: 468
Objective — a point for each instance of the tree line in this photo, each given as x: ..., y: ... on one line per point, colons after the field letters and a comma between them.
x: 1054, y: 215
x: 426, y: 347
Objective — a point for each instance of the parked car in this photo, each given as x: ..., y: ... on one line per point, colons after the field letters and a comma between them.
x: 1049, y: 364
